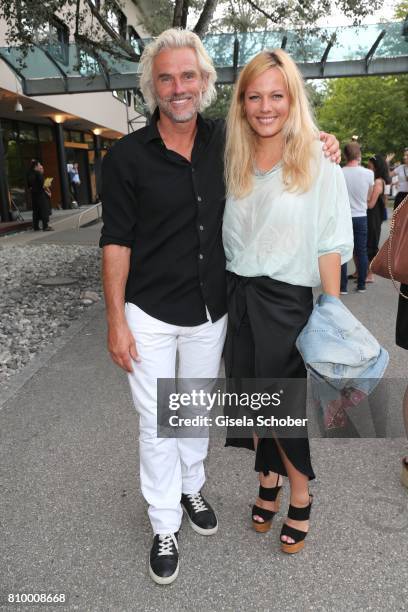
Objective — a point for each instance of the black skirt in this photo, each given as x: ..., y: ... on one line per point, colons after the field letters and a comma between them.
x: 265, y: 316
x: 374, y: 222
x: 401, y: 331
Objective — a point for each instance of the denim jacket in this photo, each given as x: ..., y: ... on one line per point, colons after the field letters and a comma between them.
x: 337, y: 348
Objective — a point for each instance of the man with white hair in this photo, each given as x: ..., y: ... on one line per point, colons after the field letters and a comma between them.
x: 164, y: 273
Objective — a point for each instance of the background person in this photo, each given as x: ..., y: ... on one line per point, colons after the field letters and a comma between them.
x: 287, y: 226
x: 39, y: 196
x: 402, y: 341
x: 71, y: 174
x: 76, y: 183
x: 401, y: 172
x: 359, y: 183
x: 376, y: 206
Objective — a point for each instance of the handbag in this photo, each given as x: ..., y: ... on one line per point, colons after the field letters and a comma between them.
x: 391, y: 260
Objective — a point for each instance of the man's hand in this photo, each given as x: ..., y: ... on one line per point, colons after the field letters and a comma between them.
x: 115, y: 270
x: 331, y: 147
x: 122, y: 346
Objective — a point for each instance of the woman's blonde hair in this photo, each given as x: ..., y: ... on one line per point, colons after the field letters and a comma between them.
x: 175, y: 38
x: 299, y: 130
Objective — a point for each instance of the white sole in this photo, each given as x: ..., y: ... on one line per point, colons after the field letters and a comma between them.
x: 200, y: 530
x: 167, y: 580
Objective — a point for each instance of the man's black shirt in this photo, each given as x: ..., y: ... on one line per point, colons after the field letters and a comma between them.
x: 169, y: 212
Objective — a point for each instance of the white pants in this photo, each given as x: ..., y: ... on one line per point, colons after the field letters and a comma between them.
x: 169, y: 466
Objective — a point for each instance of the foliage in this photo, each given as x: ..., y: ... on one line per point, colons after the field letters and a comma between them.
x: 373, y: 108
x: 401, y: 10
x: 25, y: 18
x: 250, y: 15
x: 219, y: 108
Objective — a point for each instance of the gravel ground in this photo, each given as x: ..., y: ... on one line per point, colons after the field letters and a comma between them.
x: 32, y: 315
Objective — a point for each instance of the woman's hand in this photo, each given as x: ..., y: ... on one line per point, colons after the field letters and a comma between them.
x: 331, y: 147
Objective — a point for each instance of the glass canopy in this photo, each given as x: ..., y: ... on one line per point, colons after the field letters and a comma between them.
x: 320, y: 53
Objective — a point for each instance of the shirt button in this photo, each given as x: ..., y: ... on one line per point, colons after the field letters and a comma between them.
x: 201, y: 283
x: 201, y: 256
x: 201, y: 228
x: 192, y: 169
x: 199, y: 199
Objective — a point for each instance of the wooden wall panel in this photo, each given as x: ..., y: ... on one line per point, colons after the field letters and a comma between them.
x: 50, y: 163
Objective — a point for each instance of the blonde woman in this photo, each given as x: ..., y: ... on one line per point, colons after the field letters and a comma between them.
x: 287, y: 227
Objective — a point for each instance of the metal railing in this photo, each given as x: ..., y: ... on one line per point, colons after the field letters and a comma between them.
x: 97, y: 207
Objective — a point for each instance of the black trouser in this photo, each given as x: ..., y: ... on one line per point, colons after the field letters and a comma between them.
x: 75, y: 190
x: 374, y: 222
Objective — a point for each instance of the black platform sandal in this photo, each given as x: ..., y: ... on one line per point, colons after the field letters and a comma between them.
x: 404, y: 473
x: 296, y: 514
x: 266, y: 494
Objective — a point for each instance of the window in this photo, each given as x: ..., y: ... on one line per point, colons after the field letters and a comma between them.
x: 134, y: 39
x: 88, y: 65
x: 106, y: 143
x: 45, y: 133
x: 73, y: 136
x: 117, y: 20
x: 54, y: 38
x: 27, y: 133
x: 122, y: 95
x: 21, y: 146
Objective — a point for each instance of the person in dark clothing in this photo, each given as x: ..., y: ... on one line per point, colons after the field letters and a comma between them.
x: 376, y: 206
x: 39, y: 198
x: 401, y: 337
x: 287, y: 228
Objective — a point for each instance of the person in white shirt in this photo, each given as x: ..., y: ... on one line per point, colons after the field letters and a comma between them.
x: 359, y: 183
x: 287, y: 227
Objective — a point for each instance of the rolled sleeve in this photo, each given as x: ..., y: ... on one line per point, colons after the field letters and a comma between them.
x: 119, y: 202
x: 335, y: 224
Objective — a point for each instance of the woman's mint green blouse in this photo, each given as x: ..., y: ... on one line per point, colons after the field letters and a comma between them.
x: 272, y: 232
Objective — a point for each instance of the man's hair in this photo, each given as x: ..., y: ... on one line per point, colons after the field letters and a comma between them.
x: 352, y: 151
x: 175, y: 38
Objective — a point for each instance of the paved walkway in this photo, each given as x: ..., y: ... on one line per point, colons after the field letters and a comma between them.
x: 72, y: 519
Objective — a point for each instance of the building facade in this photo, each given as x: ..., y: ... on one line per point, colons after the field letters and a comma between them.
x: 64, y: 129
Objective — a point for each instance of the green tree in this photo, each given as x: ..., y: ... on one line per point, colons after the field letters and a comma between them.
x: 219, y: 108
x: 401, y: 10
x: 92, y: 24
x: 373, y: 108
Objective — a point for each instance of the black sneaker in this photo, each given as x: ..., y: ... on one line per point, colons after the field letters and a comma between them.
x: 199, y: 513
x: 164, y: 558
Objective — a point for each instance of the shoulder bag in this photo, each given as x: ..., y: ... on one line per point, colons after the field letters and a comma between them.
x: 391, y: 260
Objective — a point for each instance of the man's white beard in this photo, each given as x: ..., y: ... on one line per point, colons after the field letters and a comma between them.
x: 165, y: 108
